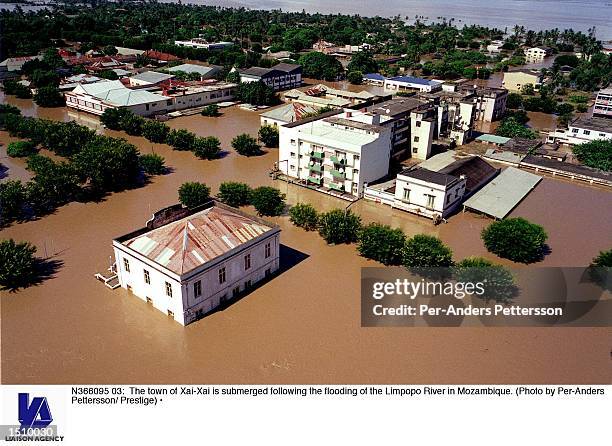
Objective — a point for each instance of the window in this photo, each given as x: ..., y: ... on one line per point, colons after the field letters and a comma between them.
x: 222, y: 275
x: 407, y: 195
x: 247, y: 261
x: 430, y: 200
x: 197, y: 288
x: 171, y: 314
x: 293, y: 142
x: 574, y: 130
x: 415, y: 150
x: 356, y: 158
x: 126, y: 265
x: 236, y: 291
x: 292, y: 154
x: 247, y: 284
x: 418, y: 123
x: 587, y: 132
x: 147, y: 277
x: 168, y: 289
x: 416, y: 139
x: 268, y: 272
x: 267, y: 250
x: 356, y: 171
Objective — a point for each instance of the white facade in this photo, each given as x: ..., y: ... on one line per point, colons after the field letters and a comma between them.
x: 603, y: 103
x: 422, y: 128
x: 188, y: 296
x: 428, y: 198
x: 97, y: 97
x: 338, y: 153
x: 409, y: 83
x: 536, y: 54
x: 581, y: 131
x: 203, y: 44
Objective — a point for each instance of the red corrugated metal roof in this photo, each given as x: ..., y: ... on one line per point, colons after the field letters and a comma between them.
x: 188, y: 243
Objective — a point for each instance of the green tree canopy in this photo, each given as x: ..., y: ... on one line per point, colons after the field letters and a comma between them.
x: 426, y: 251
x: 382, y: 243
x: 516, y: 239
x: 17, y: 264
x: 338, y: 226
x: 597, y: 154
x: 193, y: 194
x: 235, y: 194
x: 246, y: 145
x: 305, y: 216
x: 268, y: 135
x: 268, y: 201
x: 320, y: 66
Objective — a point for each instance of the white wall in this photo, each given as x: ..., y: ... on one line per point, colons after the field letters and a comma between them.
x: 445, y: 199
x: 421, y: 148
x: 183, y: 303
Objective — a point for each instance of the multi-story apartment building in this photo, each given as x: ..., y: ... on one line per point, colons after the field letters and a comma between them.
x: 336, y: 152
x: 187, y: 262
x: 490, y: 102
x: 537, y: 54
x: 397, y: 111
x: 282, y: 76
x: 603, y: 104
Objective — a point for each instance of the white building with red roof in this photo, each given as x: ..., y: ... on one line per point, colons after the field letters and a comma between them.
x: 187, y: 262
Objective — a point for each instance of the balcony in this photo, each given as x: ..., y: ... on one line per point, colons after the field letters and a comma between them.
x: 337, y: 174
x: 314, y: 180
x: 338, y: 160
x: 336, y: 186
x: 316, y: 168
x: 317, y: 155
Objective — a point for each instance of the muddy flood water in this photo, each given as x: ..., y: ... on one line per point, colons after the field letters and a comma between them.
x: 301, y: 327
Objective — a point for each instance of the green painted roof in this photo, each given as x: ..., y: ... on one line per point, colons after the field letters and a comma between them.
x: 493, y: 138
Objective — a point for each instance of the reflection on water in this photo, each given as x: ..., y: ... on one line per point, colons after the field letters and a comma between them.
x: 303, y: 326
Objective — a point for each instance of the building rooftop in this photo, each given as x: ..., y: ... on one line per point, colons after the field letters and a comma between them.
x: 521, y: 145
x: 374, y: 76
x: 495, y: 139
x: 291, y: 112
x: 193, y: 68
x: 326, y: 134
x: 114, y: 92
x: 429, y: 176
x: 503, y: 193
x: 414, y: 80
x: 287, y: 67
x: 184, y: 240
x: 607, y: 91
x: 475, y: 169
x: 344, y: 122
x: 597, y: 124
x: 152, y: 77
x: 395, y: 107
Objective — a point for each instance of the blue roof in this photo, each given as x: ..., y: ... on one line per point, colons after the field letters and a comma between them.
x: 413, y: 80
x: 374, y: 76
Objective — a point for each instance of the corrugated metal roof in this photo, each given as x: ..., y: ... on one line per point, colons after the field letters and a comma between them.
x: 190, y: 242
x: 291, y: 112
x: 493, y: 138
x: 440, y: 161
x: 152, y: 76
x: 503, y: 193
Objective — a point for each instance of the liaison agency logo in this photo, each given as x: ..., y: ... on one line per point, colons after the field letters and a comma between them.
x: 35, y: 418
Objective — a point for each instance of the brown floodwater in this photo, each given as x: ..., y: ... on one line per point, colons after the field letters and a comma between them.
x: 301, y: 327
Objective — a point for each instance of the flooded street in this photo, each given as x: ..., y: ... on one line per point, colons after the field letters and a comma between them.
x: 301, y: 327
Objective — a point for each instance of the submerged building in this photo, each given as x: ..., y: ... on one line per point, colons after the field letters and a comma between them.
x: 187, y: 262
x: 336, y: 151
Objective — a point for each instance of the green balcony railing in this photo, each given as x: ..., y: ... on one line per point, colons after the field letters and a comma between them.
x: 316, y: 168
x: 314, y: 180
x: 337, y: 174
x: 336, y: 187
x: 337, y: 160
x: 317, y: 155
